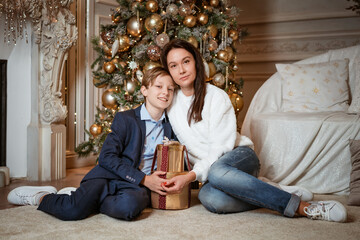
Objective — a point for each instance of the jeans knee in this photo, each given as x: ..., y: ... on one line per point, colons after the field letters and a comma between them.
x: 241, y: 158
x: 210, y: 201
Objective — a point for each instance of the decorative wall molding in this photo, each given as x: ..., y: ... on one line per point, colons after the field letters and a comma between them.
x: 56, y: 39
x: 254, y: 76
x: 288, y: 49
x: 303, y: 35
x: 298, y: 16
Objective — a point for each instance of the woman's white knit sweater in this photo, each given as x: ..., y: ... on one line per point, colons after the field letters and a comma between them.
x: 213, y: 136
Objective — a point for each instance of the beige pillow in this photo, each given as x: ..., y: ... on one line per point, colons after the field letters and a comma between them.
x: 354, y: 196
x: 355, y: 101
x: 318, y: 87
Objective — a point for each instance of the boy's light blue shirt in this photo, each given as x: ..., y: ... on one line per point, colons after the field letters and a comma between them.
x: 154, y: 136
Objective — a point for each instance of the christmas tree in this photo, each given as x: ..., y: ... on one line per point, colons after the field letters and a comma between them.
x: 132, y: 44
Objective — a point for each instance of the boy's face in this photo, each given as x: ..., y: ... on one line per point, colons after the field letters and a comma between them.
x: 159, y: 94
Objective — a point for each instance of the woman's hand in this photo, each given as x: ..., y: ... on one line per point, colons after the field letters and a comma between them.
x: 177, y: 183
x: 154, y: 182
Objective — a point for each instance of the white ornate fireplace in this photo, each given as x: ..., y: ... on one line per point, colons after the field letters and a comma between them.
x: 34, y: 74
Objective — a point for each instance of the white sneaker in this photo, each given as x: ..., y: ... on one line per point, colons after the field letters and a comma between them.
x: 332, y: 211
x: 67, y: 190
x: 303, y: 193
x: 28, y: 195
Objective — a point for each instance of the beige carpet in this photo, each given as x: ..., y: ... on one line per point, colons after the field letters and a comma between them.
x: 194, y: 223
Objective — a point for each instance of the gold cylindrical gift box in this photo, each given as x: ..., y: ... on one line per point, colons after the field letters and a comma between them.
x: 173, y: 201
x: 175, y: 157
x: 173, y: 166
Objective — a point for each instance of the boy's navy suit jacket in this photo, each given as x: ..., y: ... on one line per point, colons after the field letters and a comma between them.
x: 121, y: 152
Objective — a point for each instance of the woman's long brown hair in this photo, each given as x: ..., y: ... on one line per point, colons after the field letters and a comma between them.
x: 197, y: 105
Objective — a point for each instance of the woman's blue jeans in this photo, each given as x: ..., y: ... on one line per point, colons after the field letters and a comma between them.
x: 233, y: 186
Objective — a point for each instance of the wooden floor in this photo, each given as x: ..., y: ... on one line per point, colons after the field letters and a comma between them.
x: 73, y: 178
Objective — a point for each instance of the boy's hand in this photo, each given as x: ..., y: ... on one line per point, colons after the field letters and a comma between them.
x: 155, y: 183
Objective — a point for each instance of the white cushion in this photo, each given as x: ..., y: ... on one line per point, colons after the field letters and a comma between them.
x: 355, y: 101
x: 315, y: 87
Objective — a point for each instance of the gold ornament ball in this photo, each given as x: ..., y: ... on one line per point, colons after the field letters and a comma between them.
x: 154, y: 22
x: 109, y: 67
x: 150, y: 64
x: 172, y: 9
x: 97, y: 81
x: 234, y: 34
x: 152, y: 5
x: 189, y: 21
x: 223, y: 55
x: 193, y: 41
x: 219, y: 80
x: 131, y: 86
x: 213, y: 30
x: 184, y: 10
x: 108, y: 100
x: 134, y: 27
x: 214, y: 3
x: 213, y: 45
x: 124, y: 43
x: 237, y: 102
x: 212, y: 69
x: 203, y: 18
x: 95, y: 129
x: 162, y: 39
x: 139, y: 1
x: 230, y: 52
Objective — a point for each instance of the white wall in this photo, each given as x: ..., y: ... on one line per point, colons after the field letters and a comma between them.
x: 18, y: 102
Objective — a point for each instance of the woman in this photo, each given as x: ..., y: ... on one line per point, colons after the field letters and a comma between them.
x: 203, y: 119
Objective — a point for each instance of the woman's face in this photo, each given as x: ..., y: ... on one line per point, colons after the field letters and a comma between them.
x: 181, y: 64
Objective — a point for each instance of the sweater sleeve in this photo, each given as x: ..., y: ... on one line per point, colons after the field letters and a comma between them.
x: 220, y: 117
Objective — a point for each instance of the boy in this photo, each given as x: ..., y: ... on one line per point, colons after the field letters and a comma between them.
x: 116, y: 186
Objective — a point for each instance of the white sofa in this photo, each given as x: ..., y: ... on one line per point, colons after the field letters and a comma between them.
x: 309, y: 149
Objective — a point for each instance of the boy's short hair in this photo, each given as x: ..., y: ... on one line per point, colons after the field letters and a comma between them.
x: 151, y: 74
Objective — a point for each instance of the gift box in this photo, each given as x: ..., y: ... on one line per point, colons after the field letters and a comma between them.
x: 170, y: 159
x: 172, y: 201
